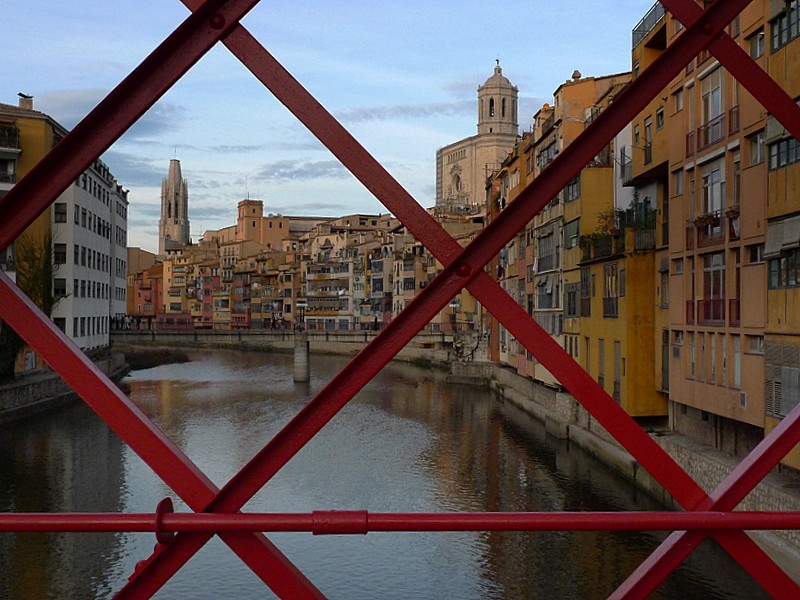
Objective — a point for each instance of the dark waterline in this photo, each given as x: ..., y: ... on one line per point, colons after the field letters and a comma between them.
x: 407, y: 443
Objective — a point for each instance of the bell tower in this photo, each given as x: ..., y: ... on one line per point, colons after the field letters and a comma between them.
x: 497, y: 105
x: 173, y: 227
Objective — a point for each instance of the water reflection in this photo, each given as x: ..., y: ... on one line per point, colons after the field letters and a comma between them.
x: 407, y: 443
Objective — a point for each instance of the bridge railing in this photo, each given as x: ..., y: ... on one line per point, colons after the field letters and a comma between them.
x: 216, y: 510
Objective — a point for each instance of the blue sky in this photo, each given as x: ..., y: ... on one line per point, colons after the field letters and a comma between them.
x: 402, y: 77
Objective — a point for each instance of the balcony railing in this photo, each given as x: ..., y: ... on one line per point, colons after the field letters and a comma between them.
x: 711, y: 132
x: 690, y: 143
x: 8, y: 178
x: 601, y: 247
x: 711, y: 311
x: 711, y: 229
x: 648, y: 23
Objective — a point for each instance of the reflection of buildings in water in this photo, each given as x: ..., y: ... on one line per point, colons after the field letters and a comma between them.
x: 43, y: 470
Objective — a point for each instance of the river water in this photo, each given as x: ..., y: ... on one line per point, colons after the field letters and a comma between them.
x: 407, y: 443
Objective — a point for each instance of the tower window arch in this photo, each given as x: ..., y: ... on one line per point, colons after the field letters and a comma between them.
x: 491, y: 107
x: 503, y: 108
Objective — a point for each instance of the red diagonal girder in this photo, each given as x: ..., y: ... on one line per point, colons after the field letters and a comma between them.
x: 51, y: 176
x: 309, y: 111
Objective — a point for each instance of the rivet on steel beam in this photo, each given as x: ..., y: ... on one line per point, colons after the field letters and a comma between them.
x: 164, y: 507
x: 217, y: 21
x: 463, y: 270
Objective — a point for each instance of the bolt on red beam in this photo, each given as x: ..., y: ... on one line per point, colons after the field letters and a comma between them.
x: 361, y: 522
x: 465, y: 268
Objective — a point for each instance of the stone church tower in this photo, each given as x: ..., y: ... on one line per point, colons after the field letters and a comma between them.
x: 173, y: 227
x: 462, y: 167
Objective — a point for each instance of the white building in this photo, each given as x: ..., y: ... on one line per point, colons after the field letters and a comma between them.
x: 90, y: 230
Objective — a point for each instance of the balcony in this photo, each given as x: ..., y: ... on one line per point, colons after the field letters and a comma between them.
x: 9, y: 139
x: 711, y: 311
x: 648, y: 23
x: 690, y: 143
x: 711, y: 132
x: 603, y: 245
x: 713, y: 228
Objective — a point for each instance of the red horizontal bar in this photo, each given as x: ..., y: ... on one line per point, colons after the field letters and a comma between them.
x: 361, y: 522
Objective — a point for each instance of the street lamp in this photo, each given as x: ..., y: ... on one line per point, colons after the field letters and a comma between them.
x: 302, y: 305
x: 455, y: 304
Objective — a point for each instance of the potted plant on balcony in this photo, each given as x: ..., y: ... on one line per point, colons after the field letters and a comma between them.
x: 732, y: 212
x: 705, y: 219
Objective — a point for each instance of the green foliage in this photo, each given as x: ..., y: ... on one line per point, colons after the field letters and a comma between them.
x: 34, y: 275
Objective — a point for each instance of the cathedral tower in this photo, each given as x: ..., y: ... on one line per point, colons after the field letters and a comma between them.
x: 173, y: 227
x: 497, y: 105
x: 462, y: 167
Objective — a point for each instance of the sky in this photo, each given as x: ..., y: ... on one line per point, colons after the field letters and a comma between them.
x: 402, y: 77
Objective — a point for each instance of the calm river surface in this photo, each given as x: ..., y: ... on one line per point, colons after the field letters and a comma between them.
x: 407, y: 443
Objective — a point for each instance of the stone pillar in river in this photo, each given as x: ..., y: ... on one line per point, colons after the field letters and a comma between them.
x: 302, y: 362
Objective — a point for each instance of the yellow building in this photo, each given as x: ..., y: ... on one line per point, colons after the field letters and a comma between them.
x: 781, y: 158
x: 697, y: 158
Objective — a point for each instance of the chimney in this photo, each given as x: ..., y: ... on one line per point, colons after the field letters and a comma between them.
x: 25, y: 101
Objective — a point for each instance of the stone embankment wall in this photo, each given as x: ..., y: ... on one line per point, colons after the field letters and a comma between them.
x: 43, y: 390
x: 565, y: 417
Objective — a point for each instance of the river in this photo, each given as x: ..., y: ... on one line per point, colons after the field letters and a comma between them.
x: 408, y: 442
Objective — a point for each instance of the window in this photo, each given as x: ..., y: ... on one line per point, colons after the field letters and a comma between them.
x: 785, y: 27
x: 610, y: 290
x: 60, y: 212
x: 664, y: 289
x: 571, y: 300
x: 713, y: 189
x: 59, y: 287
x: 755, y: 344
x: 573, y: 190
x: 677, y: 182
x: 755, y: 145
x: 585, y: 293
x: 660, y: 118
x: 677, y: 100
x: 784, y: 152
x: 60, y: 254
x: 756, y: 253
x: 571, y: 232
x: 713, y: 287
x: 61, y: 323
x: 756, y: 44
x: 546, y: 252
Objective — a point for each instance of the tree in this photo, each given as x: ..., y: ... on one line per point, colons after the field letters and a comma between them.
x: 34, y: 273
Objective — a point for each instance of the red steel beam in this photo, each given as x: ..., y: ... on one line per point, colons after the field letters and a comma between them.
x: 240, y: 37
x: 361, y: 522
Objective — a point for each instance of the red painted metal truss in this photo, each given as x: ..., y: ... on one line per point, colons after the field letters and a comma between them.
x: 216, y: 511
